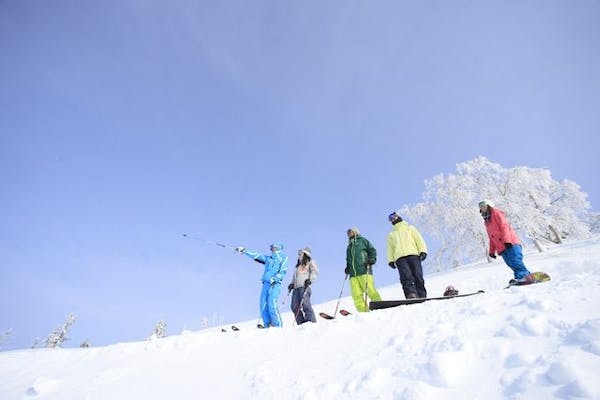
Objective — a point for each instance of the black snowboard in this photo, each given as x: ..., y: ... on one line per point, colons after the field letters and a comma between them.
x: 378, y: 305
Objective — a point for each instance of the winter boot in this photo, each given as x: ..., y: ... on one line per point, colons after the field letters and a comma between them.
x: 527, y: 279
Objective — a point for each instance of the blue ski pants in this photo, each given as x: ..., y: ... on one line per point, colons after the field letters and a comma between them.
x: 513, y: 257
x: 269, y: 296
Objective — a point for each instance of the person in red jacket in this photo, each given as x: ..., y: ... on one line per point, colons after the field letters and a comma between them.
x: 504, y: 241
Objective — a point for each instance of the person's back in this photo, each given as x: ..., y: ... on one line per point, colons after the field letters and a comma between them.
x: 406, y: 249
x: 405, y: 240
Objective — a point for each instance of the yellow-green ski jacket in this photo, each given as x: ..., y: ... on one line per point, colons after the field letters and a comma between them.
x: 404, y: 240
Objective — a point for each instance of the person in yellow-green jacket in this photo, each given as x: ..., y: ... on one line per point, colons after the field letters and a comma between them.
x: 360, y: 257
x: 405, y: 251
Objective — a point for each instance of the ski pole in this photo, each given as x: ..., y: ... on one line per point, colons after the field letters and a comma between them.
x: 210, y: 242
x: 366, y: 292
x: 300, y: 307
x: 340, y: 296
x: 285, y: 298
x: 367, y: 287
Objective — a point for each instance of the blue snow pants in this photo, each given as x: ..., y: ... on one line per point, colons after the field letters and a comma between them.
x: 513, y: 257
x: 268, y: 304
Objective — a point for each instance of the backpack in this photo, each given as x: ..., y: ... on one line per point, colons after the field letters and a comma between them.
x: 450, y: 291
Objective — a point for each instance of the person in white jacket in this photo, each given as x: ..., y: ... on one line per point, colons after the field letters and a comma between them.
x: 305, y: 274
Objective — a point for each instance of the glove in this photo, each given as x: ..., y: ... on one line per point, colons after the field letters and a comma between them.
x: 290, y: 287
x: 392, y: 264
x: 507, y: 245
x: 492, y: 255
x: 347, y: 271
x: 240, y: 250
x: 307, y: 283
x: 422, y: 256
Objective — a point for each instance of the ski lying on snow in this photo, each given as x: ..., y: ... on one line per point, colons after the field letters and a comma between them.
x: 342, y: 312
x: 378, y: 305
x: 235, y: 328
x: 325, y: 315
x: 537, y: 277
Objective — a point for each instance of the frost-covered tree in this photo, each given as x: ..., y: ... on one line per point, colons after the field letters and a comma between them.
x: 594, y: 222
x: 5, y: 336
x: 56, y: 338
x: 204, y: 322
x: 214, y: 320
x: 542, y: 209
x: 160, y: 331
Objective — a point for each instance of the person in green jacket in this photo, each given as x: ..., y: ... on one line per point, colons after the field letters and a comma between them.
x: 405, y: 251
x: 360, y: 257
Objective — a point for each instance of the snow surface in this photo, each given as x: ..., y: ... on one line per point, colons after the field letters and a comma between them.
x: 535, y: 342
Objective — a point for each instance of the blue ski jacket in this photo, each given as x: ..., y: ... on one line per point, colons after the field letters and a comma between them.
x: 275, y: 263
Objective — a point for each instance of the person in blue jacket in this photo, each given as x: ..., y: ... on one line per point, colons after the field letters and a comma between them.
x: 275, y: 270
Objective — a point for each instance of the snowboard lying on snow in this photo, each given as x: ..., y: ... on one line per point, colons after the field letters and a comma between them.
x: 378, y: 305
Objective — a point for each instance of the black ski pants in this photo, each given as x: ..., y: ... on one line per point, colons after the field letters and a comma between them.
x: 411, y: 276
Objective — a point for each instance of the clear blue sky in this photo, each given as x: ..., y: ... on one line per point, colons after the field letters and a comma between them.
x: 124, y: 124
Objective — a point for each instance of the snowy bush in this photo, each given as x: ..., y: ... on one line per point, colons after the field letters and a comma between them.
x: 160, y: 331
x: 5, y: 336
x: 204, y: 322
x: 214, y: 320
x: 56, y: 338
x: 537, y: 206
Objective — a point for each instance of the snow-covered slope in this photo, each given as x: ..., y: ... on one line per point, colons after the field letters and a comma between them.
x: 536, y: 342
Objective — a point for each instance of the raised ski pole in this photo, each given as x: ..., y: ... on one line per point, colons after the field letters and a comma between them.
x: 226, y: 246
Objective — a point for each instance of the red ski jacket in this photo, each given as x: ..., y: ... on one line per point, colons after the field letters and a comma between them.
x: 499, y: 231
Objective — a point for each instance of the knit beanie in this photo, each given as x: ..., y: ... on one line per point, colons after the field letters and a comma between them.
x: 306, y: 251
x: 486, y: 203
